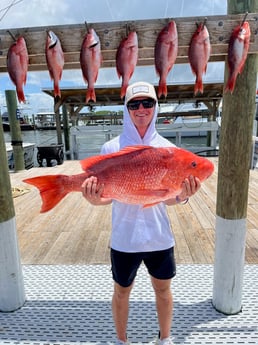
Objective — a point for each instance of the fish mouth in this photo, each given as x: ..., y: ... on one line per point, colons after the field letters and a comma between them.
x: 53, y: 39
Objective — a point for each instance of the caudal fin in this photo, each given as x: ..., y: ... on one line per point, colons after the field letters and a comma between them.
x: 20, y: 95
x: 123, y: 90
x: 230, y: 86
x: 198, y: 87
x: 57, y: 92
x: 90, y: 96
x: 162, y: 91
x: 52, y: 189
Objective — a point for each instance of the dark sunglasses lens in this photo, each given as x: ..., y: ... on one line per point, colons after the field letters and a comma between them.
x: 147, y: 103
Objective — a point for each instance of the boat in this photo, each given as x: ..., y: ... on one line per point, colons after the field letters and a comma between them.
x: 24, y: 124
x: 45, y: 121
x: 28, y: 155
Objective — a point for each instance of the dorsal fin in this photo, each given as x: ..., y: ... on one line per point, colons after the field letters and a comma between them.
x: 88, y: 162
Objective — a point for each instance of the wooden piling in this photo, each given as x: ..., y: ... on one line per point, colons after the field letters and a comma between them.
x: 18, y: 153
x: 12, y: 295
x: 233, y: 180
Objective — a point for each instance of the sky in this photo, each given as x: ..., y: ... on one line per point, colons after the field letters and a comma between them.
x: 34, y: 13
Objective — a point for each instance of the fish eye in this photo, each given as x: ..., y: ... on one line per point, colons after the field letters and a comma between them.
x: 194, y: 164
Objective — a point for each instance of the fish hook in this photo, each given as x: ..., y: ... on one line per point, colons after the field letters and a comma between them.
x: 13, y: 37
x: 246, y: 14
x: 87, y: 27
x: 127, y: 29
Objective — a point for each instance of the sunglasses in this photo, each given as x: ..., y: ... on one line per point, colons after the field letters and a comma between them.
x: 146, y: 103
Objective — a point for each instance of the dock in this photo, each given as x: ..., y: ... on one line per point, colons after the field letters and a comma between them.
x: 76, y: 232
x: 68, y: 283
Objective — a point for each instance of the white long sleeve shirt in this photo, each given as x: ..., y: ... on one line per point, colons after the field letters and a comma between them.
x: 134, y: 228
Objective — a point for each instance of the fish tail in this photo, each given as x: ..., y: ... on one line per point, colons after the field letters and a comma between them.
x: 123, y: 90
x: 53, y: 188
x: 20, y: 95
x: 90, y: 96
x: 57, y: 92
x: 162, y: 91
x: 230, y: 86
x: 198, y: 87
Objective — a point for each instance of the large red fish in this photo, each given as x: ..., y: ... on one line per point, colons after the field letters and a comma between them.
x: 55, y: 60
x: 135, y: 175
x: 237, y: 53
x: 126, y: 59
x: 199, y: 54
x: 17, y: 66
x: 90, y: 59
x: 166, y: 49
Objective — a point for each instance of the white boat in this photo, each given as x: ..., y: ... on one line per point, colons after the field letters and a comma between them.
x: 45, y: 121
x: 28, y: 155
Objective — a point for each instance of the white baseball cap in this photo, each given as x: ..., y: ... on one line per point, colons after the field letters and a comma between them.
x: 140, y: 89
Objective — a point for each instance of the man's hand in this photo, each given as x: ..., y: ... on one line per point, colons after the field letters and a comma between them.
x: 92, y: 191
x: 189, y: 187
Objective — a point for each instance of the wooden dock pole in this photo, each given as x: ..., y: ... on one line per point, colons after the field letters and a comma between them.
x: 12, y: 295
x: 18, y: 153
x: 233, y: 180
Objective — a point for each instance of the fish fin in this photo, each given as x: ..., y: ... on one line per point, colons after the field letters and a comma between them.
x: 20, y: 95
x: 230, y: 86
x: 123, y: 91
x: 160, y: 193
x: 198, y: 87
x: 57, y: 91
x: 90, y: 96
x: 162, y: 91
x: 52, y: 189
x: 150, y: 205
x: 88, y: 162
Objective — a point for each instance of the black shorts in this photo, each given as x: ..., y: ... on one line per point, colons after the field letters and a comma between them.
x: 160, y: 264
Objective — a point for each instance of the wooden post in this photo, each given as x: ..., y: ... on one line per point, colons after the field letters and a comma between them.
x: 18, y: 153
x: 12, y: 295
x: 66, y: 130
x: 233, y: 179
x: 58, y: 122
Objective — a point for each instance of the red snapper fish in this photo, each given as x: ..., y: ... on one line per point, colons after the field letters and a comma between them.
x: 126, y: 59
x: 166, y: 49
x: 237, y: 53
x: 17, y: 66
x: 199, y: 54
x: 55, y: 60
x: 90, y: 59
x: 135, y: 175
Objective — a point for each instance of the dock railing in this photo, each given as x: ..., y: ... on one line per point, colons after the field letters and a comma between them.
x: 87, y: 140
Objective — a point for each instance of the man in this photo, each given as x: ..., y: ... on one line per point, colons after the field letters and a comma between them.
x: 140, y: 234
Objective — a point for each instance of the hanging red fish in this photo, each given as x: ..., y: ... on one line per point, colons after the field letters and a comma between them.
x: 237, y: 53
x: 166, y: 49
x: 199, y: 54
x: 17, y: 66
x: 126, y: 60
x: 55, y: 60
x: 90, y: 60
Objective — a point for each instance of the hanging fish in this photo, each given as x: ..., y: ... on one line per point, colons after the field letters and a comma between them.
x: 199, y: 54
x: 90, y: 59
x: 17, y: 66
x: 126, y: 59
x: 237, y: 53
x: 55, y: 60
x: 166, y: 49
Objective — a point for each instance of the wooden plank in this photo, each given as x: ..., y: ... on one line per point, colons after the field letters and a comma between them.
x: 111, y: 33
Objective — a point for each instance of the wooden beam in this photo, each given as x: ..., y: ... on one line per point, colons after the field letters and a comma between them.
x: 111, y: 33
